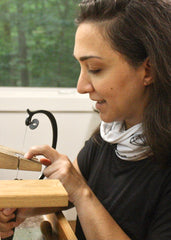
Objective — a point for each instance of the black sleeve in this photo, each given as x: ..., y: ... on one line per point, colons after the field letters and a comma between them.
x: 160, y: 227
x: 85, y: 158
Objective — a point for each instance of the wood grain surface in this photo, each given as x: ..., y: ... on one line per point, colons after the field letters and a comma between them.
x: 12, y: 159
x: 32, y: 193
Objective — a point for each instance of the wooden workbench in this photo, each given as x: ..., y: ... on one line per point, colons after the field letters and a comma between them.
x: 32, y: 193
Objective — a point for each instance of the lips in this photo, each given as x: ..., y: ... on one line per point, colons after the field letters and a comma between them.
x: 100, y: 102
x: 100, y: 105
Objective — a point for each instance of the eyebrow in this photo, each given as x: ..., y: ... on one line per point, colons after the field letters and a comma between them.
x: 84, y: 58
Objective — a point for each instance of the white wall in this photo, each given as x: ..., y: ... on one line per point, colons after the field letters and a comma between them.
x: 74, y: 113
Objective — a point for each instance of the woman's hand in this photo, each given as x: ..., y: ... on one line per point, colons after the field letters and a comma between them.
x: 60, y: 167
x: 6, y: 223
x: 95, y: 220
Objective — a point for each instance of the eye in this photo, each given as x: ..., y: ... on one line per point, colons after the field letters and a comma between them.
x: 94, y: 71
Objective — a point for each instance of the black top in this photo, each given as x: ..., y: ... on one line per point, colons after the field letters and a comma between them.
x: 136, y: 193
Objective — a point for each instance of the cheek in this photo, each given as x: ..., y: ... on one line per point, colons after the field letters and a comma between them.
x: 116, y: 84
x: 109, y: 94
x: 120, y: 95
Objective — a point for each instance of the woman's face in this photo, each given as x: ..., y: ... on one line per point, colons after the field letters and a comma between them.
x: 116, y: 86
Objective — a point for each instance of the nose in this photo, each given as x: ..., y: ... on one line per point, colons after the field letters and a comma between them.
x: 84, y: 84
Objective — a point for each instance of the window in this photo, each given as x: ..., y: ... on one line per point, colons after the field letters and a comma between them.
x: 36, y: 43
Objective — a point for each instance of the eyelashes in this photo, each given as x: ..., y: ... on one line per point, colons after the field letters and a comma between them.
x: 94, y: 71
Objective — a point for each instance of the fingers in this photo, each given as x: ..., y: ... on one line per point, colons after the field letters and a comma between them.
x: 44, y: 150
x: 6, y: 225
x: 6, y: 234
x: 58, y: 169
x: 45, y: 161
x: 8, y: 211
x: 50, y: 160
x: 7, y: 214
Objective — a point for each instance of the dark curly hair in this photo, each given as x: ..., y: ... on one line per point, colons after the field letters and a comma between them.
x: 139, y: 29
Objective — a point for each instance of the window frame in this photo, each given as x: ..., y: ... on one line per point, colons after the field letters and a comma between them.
x: 51, y: 99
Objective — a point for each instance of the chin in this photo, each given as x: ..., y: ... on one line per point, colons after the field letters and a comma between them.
x: 107, y: 119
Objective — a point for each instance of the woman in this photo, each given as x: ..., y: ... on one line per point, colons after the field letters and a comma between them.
x: 120, y: 183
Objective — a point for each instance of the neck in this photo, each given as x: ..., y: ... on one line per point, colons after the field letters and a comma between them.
x: 129, y: 124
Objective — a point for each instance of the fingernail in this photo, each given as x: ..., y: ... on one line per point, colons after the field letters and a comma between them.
x: 25, y: 155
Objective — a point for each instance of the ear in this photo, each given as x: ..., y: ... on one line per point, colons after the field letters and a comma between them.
x: 148, y: 79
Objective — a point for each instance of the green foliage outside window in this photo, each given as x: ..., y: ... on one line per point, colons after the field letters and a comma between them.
x: 36, y: 43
